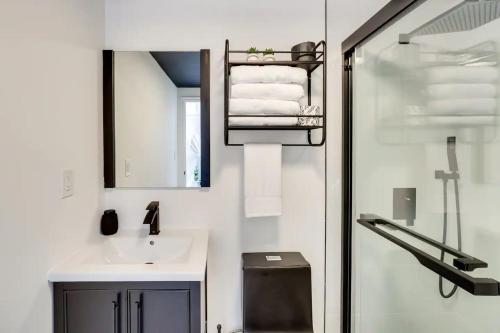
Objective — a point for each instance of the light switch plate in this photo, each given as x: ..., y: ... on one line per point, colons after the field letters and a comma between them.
x: 68, y: 183
x: 128, y: 167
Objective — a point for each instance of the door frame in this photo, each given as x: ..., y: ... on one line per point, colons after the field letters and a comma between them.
x: 181, y: 134
x: 383, y: 18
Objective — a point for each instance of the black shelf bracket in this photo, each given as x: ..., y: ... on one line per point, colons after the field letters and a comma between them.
x: 320, y: 60
x: 462, y: 262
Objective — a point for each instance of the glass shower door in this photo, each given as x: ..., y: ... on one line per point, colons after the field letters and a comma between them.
x: 426, y: 172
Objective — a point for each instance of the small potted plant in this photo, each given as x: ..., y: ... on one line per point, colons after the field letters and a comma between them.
x: 268, y: 54
x: 252, y: 54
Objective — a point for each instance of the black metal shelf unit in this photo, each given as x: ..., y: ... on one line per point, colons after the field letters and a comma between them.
x: 320, y: 53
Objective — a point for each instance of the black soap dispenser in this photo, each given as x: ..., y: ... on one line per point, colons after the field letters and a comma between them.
x: 109, y: 222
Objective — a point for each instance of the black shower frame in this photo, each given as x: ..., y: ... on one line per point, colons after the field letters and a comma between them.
x: 383, y: 18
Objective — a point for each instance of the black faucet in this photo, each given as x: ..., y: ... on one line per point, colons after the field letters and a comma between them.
x: 153, y: 217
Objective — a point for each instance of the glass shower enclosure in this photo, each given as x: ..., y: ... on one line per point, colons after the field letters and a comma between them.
x: 421, y: 169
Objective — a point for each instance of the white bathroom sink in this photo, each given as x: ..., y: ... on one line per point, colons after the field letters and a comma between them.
x: 131, y: 249
x: 173, y: 255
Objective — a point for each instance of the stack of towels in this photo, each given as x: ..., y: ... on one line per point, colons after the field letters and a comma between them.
x: 269, y: 90
x: 462, y: 91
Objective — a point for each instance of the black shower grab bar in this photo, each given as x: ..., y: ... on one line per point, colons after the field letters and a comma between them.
x: 462, y: 262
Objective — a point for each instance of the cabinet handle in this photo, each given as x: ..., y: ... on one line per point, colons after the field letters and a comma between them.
x: 139, y: 314
x: 116, y: 307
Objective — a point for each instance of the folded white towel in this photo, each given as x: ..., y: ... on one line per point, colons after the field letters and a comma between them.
x: 462, y: 121
x: 263, y: 121
x: 472, y: 106
x: 268, y: 74
x: 461, y: 90
x: 287, y: 92
x: 462, y: 74
x: 261, y: 106
x: 262, y: 178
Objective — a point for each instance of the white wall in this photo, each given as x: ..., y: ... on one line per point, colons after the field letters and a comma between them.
x: 145, y: 122
x: 191, y: 25
x: 44, y: 43
x: 50, y: 120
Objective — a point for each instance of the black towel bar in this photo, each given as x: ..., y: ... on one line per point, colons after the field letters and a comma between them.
x: 462, y: 262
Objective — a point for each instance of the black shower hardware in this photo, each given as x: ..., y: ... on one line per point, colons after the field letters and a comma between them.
x: 453, y: 175
x: 404, y: 204
x: 451, y: 143
x: 467, y: 15
x: 462, y: 262
x: 319, y: 60
x: 153, y: 217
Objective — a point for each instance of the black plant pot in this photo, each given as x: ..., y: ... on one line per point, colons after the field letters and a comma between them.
x: 304, y: 52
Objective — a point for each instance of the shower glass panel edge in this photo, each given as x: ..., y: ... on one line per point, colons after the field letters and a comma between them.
x: 400, y: 137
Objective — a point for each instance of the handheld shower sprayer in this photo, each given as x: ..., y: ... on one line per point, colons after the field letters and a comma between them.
x: 452, y: 154
x: 452, y: 175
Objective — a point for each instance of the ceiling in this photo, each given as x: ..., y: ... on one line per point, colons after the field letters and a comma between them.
x: 183, y: 68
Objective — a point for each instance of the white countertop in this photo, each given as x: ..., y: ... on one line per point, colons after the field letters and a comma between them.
x: 176, y: 255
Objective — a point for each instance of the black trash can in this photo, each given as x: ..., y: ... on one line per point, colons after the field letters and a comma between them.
x: 276, y: 293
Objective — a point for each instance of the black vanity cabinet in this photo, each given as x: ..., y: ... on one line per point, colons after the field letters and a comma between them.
x: 127, y: 307
x: 91, y: 311
x: 165, y: 311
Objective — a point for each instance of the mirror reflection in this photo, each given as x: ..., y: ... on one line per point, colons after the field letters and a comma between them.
x: 158, y: 116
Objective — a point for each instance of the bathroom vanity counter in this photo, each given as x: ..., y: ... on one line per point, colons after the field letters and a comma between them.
x: 173, y: 255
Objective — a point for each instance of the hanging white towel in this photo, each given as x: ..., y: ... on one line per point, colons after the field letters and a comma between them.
x: 462, y: 74
x: 262, y: 163
x: 287, y: 92
x: 245, y: 106
x: 268, y: 74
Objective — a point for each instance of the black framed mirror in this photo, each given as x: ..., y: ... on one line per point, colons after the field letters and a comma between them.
x: 156, y: 119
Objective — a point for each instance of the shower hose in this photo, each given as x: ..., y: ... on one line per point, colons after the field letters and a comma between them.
x: 445, y: 228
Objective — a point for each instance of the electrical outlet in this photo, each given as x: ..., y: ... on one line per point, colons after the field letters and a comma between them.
x: 68, y: 183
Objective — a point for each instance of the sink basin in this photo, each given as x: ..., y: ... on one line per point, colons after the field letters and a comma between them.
x: 130, y: 249
x: 131, y: 255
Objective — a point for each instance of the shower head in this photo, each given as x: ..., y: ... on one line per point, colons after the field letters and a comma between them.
x: 467, y: 15
x: 452, y: 155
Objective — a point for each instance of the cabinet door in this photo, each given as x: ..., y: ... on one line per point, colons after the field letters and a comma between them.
x: 159, y: 311
x: 95, y: 311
